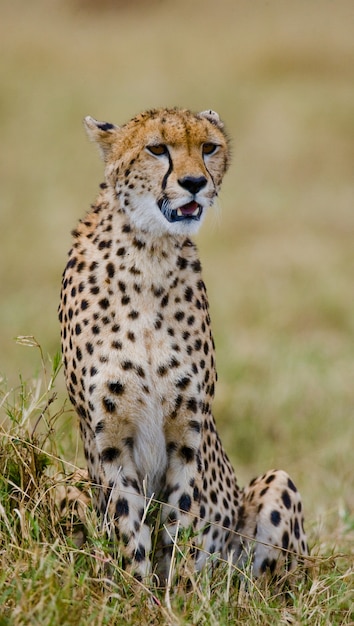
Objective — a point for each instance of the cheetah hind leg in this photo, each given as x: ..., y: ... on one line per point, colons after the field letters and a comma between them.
x: 73, y: 497
x: 271, y: 524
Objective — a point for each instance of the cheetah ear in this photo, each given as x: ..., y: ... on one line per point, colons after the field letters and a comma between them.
x: 212, y: 117
x: 102, y: 133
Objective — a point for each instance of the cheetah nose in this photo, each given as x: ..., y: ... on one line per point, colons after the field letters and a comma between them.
x: 192, y: 183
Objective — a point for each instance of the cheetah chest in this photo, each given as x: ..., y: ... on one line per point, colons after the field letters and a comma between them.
x: 149, y: 348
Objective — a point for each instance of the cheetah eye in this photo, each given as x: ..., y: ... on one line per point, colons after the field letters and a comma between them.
x: 209, y: 148
x: 157, y: 149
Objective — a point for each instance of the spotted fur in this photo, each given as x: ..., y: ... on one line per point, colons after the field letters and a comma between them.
x: 139, y: 354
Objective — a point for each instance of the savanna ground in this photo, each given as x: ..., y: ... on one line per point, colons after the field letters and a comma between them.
x: 278, y: 261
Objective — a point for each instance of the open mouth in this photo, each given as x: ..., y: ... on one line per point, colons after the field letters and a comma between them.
x: 190, y: 211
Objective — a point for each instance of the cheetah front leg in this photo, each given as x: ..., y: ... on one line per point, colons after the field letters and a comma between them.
x: 122, y: 503
x: 271, y: 524
x: 182, y: 488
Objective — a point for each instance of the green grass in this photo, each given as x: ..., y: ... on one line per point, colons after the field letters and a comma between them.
x: 46, y: 579
x: 278, y: 261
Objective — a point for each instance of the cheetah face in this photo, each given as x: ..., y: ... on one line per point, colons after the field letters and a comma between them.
x: 165, y: 167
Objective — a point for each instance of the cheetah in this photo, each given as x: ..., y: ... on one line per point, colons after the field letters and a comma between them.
x: 139, y: 360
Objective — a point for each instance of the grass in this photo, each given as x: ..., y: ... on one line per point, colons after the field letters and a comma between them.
x: 47, y: 579
x: 278, y: 262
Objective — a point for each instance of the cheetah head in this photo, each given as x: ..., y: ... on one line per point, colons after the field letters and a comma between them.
x: 165, y: 166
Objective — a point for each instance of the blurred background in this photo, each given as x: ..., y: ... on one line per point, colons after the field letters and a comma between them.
x: 278, y: 252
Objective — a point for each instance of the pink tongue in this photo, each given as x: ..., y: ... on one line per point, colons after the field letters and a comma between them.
x: 188, y: 209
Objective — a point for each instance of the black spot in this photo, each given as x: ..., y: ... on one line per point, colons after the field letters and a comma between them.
x: 104, y: 303
x: 122, y: 507
x: 187, y: 453
x: 99, y: 427
x: 109, y: 454
x: 196, y: 266
x: 291, y: 485
x: 269, y: 479
x: 264, y: 491
x: 183, y: 383
x: 296, y: 529
x: 285, y: 540
x: 139, y: 553
x: 264, y: 565
x: 172, y: 517
x: 125, y: 300
x: 213, y: 497
x: 157, y: 324
x: 162, y: 370
x: 286, y: 499
x: 139, y: 370
x: 72, y: 263
x: 109, y: 405
x: 185, y: 502
x: 84, y: 305
x: 105, y: 126
x: 194, y: 425
x: 188, y: 294
x: 179, y: 316
x: 275, y: 517
x: 178, y: 403
x: 121, y: 252
x: 77, y: 329
x: 116, y: 387
x: 110, y: 270
x: 164, y: 301
x: 104, y: 244
x: 157, y: 291
x: 138, y: 243
x: 131, y: 336
x: 133, y: 315
x: 129, y: 442
x: 81, y: 411
x: 127, y: 365
x: 182, y: 263
x: 192, y: 405
x: 171, y: 447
